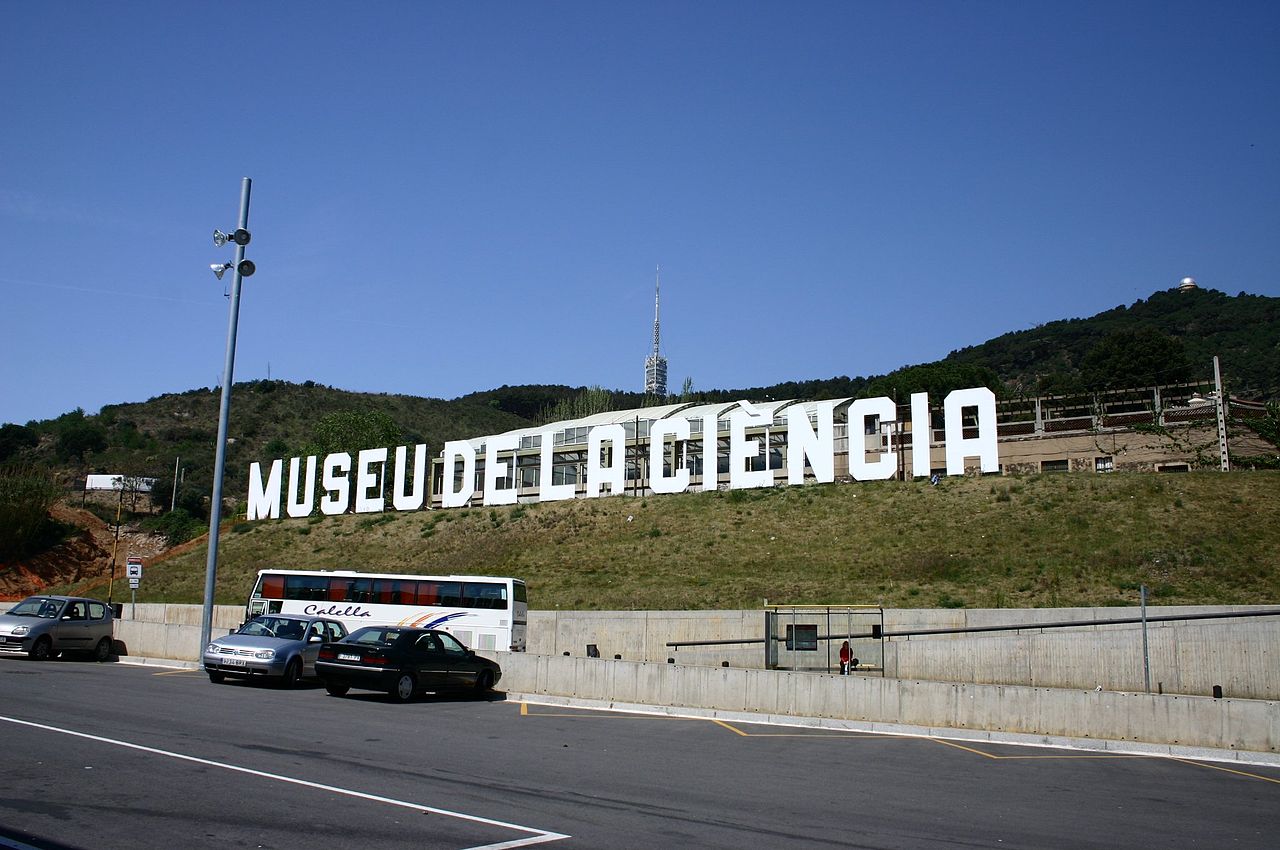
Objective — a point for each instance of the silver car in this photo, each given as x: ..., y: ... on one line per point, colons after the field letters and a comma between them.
x: 43, y: 627
x: 276, y: 646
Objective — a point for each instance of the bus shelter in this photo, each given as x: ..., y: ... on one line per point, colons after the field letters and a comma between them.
x: 811, y: 637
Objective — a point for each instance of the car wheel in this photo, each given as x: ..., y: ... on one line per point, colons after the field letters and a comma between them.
x: 292, y: 674
x: 402, y: 690
x: 335, y: 689
x: 216, y: 677
x: 102, y: 651
x: 484, y: 682
x: 41, y: 650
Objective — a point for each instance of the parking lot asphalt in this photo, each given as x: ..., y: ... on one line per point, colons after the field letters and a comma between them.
x: 114, y: 755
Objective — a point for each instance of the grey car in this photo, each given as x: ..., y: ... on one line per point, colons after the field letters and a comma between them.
x: 277, y: 646
x: 44, y: 627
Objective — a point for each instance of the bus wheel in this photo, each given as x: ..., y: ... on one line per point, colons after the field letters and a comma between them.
x: 402, y: 690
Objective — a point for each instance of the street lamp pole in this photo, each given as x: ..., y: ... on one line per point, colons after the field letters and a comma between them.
x: 220, y: 452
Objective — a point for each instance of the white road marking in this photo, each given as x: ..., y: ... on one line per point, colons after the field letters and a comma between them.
x: 537, y: 836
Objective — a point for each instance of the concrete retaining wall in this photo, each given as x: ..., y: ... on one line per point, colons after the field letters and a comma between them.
x: 1240, y: 656
x: 155, y: 630
x: 1186, y: 657
x: 1235, y: 654
x: 1229, y: 724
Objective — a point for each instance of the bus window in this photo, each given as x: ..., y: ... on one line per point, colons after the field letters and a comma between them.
x: 272, y: 587
x: 389, y: 591
x: 305, y: 587
x: 359, y: 590
x: 484, y: 595
x: 451, y: 593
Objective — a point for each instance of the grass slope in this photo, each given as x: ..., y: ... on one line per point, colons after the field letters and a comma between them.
x: 1035, y: 541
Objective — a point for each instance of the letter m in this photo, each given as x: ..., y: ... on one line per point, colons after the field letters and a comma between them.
x: 264, y: 502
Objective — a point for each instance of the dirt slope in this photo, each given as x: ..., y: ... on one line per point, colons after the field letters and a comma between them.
x: 86, y: 555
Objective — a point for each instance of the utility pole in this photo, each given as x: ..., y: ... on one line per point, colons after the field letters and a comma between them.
x: 173, y: 502
x: 1220, y: 403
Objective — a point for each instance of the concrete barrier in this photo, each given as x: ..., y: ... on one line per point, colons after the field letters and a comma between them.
x: 1225, y: 724
x: 1054, y: 673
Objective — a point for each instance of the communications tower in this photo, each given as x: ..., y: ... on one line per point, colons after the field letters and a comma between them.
x: 655, y: 365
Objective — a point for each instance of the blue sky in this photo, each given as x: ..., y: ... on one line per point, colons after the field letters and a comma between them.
x: 449, y: 197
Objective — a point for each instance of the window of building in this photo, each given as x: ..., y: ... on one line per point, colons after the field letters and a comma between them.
x: 1060, y: 465
x: 1104, y: 464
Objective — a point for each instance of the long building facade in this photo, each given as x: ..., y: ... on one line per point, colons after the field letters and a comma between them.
x: 1164, y: 429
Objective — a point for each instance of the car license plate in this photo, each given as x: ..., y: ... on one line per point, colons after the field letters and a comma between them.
x: 233, y: 662
x: 343, y: 656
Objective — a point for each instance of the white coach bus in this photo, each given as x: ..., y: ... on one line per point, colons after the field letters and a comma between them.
x: 483, y: 612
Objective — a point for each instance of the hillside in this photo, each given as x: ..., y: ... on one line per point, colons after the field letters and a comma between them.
x: 1244, y: 331
x: 1178, y: 332
x: 1043, y: 540
x: 1168, y: 337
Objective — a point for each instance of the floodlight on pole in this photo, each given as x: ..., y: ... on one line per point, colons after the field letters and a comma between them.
x: 242, y: 268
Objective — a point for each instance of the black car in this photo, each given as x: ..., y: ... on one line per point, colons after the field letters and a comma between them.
x: 403, y: 662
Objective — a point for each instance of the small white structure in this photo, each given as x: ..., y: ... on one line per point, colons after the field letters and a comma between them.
x: 119, y: 482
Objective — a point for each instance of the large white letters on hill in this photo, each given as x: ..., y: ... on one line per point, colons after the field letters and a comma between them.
x: 810, y: 446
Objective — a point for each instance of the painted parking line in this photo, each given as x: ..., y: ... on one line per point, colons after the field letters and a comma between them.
x: 534, y: 835
x: 603, y: 713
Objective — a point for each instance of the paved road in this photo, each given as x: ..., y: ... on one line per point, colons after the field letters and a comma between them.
x: 116, y: 756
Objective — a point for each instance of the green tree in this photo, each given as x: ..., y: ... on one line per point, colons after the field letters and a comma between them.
x: 77, y: 435
x: 1135, y: 358
x: 15, y: 438
x: 352, y: 430
x: 586, y: 402
x: 26, y: 494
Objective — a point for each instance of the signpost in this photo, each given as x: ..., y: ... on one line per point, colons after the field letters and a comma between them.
x: 133, y: 570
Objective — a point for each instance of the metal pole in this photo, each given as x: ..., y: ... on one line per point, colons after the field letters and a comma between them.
x: 173, y: 503
x: 219, y: 461
x: 111, y: 583
x: 1146, y: 660
x: 1221, y: 405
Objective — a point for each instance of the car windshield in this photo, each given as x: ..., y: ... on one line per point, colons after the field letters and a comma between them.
x: 37, y: 606
x: 287, y: 628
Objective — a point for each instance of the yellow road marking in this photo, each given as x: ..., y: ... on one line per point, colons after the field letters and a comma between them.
x: 605, y: 714
x: 962, y: 747
x: 1226, y: 770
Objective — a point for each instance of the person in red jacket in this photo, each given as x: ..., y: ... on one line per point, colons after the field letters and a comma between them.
x: 845, y: 655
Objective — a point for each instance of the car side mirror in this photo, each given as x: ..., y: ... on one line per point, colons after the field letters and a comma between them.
x: 315, y: 639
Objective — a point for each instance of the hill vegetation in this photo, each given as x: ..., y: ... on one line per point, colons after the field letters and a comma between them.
x: 1169, y: 337
x: 1036, y: 541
